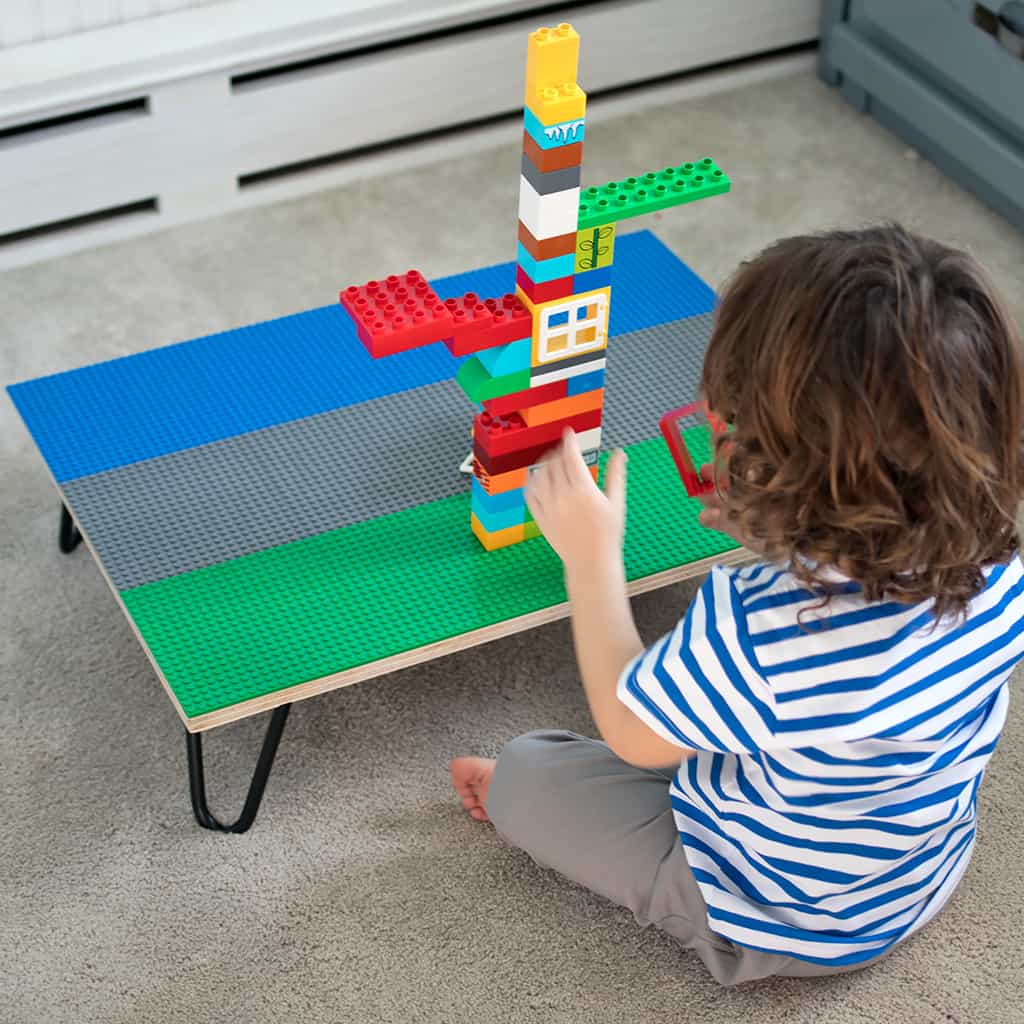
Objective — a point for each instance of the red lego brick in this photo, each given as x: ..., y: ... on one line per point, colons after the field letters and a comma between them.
x: 497, y: 464
x: 512, y: 321
x: 399, y: 313
x: 520, y: 400
x: 561, y: 287
x: 486, y: 323
x: 500, y: 435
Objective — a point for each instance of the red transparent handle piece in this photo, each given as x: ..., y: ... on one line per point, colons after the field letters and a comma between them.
x: 688, y: 473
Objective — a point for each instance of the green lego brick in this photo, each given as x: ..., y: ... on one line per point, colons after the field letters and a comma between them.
x: 655, y: 190
x: 275, y: 618
x: 480, y: 386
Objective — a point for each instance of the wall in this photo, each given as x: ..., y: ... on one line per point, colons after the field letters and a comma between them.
x: 28, y: 21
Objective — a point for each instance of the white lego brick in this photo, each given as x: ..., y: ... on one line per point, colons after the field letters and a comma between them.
x: 551, y: 215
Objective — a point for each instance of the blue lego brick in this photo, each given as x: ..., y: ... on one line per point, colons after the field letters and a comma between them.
x: 502, y: 519
x: 497, y: 502
x: 588, y: 280
x: 507, y: 358
x: 177, y: 397
x: 553, y: 136
x: 585, y: 382
x: 545, y: 270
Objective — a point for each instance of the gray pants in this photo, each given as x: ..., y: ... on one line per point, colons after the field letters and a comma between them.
x: 575, y: 807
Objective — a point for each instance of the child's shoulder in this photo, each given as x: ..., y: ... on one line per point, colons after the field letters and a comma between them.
x: 768, y: 595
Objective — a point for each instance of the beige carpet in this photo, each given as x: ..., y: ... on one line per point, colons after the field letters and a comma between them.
x: 362, y: 894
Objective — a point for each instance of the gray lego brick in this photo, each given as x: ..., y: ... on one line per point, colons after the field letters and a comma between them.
x: 193, y: 508
x: 579, y: 364
x: 545, y: 183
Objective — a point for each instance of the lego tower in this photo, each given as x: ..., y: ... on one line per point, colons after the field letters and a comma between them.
x: 555, y: 378
x: 537, y: 361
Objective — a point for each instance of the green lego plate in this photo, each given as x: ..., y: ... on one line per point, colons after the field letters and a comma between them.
x: 255, y: 625
x: 655, y: 190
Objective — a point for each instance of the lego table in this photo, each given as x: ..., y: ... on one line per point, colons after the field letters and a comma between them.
x: 279, y: 515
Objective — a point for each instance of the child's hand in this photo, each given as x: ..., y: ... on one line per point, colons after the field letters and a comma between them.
x: 580, y: 522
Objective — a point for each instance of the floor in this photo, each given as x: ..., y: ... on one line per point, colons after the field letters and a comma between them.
x: 362, y: 893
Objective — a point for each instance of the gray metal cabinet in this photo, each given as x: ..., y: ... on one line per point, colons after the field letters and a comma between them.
x: 947, y: 76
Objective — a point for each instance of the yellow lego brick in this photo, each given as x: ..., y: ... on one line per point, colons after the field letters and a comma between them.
x: 552, y: 57
x: 500, y: 538
x: 557, y: 103
x: 595, y: 247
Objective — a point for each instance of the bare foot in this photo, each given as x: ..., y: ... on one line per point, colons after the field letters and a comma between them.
x: 471, y: 777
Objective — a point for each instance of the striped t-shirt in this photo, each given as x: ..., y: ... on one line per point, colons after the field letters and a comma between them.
x: 830, y: 808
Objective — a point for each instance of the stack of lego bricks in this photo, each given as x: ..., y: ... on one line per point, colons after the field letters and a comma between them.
x: 533, y: 390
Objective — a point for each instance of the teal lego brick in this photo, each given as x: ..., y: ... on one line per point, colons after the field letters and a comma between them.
x: 655, y: 190
x: 552, y: 136
x: 506, y: 359
x: 545, y: 270
x: 500, y: 502
x: 493, y: 519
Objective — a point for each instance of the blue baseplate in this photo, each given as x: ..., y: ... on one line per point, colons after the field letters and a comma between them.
x: 168, y: 399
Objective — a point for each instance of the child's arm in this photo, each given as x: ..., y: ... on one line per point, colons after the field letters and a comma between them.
x: 586, y: 528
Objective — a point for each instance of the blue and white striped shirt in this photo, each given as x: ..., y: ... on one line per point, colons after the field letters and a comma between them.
x: 830, y: 808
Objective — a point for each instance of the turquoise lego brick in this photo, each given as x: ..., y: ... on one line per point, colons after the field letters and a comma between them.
x: 591, y: 280
x: 553, y: 135
x: 501, y: 519
x: 505, y: 359
x: 540, y: 271
x: 585, y: 382
x: 655, y: 190
x: 497, y: 502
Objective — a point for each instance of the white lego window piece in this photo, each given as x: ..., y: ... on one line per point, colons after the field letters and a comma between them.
x: 572, y: 327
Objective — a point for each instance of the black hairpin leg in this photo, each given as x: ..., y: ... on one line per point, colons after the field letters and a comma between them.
x: 197, y: 782
x: 70, y: 538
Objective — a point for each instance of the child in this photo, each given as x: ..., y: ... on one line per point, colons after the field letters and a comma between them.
x: 789, y: 779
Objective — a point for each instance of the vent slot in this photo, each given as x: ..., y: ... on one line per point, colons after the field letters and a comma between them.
x: 138, y: 107
x: 145, y: 207
x: 317, y: 163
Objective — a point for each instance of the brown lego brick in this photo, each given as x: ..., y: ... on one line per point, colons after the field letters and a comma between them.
x: 545, y: 249
x: 557, y: 159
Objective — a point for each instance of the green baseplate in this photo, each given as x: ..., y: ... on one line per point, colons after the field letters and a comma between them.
x: 258, y: 624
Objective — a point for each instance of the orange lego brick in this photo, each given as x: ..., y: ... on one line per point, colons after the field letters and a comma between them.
x: 547, y: 248
x: 499, y: 483
x: 552, y: 58
x: 547, y: 160
x: 558, y: 103
x: 499, y: 538
x: 563, y: 408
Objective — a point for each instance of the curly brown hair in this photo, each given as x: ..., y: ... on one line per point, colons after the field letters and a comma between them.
x: 874, y: 384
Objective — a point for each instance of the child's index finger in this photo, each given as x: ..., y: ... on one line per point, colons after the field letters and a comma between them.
x: 572, y: 457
